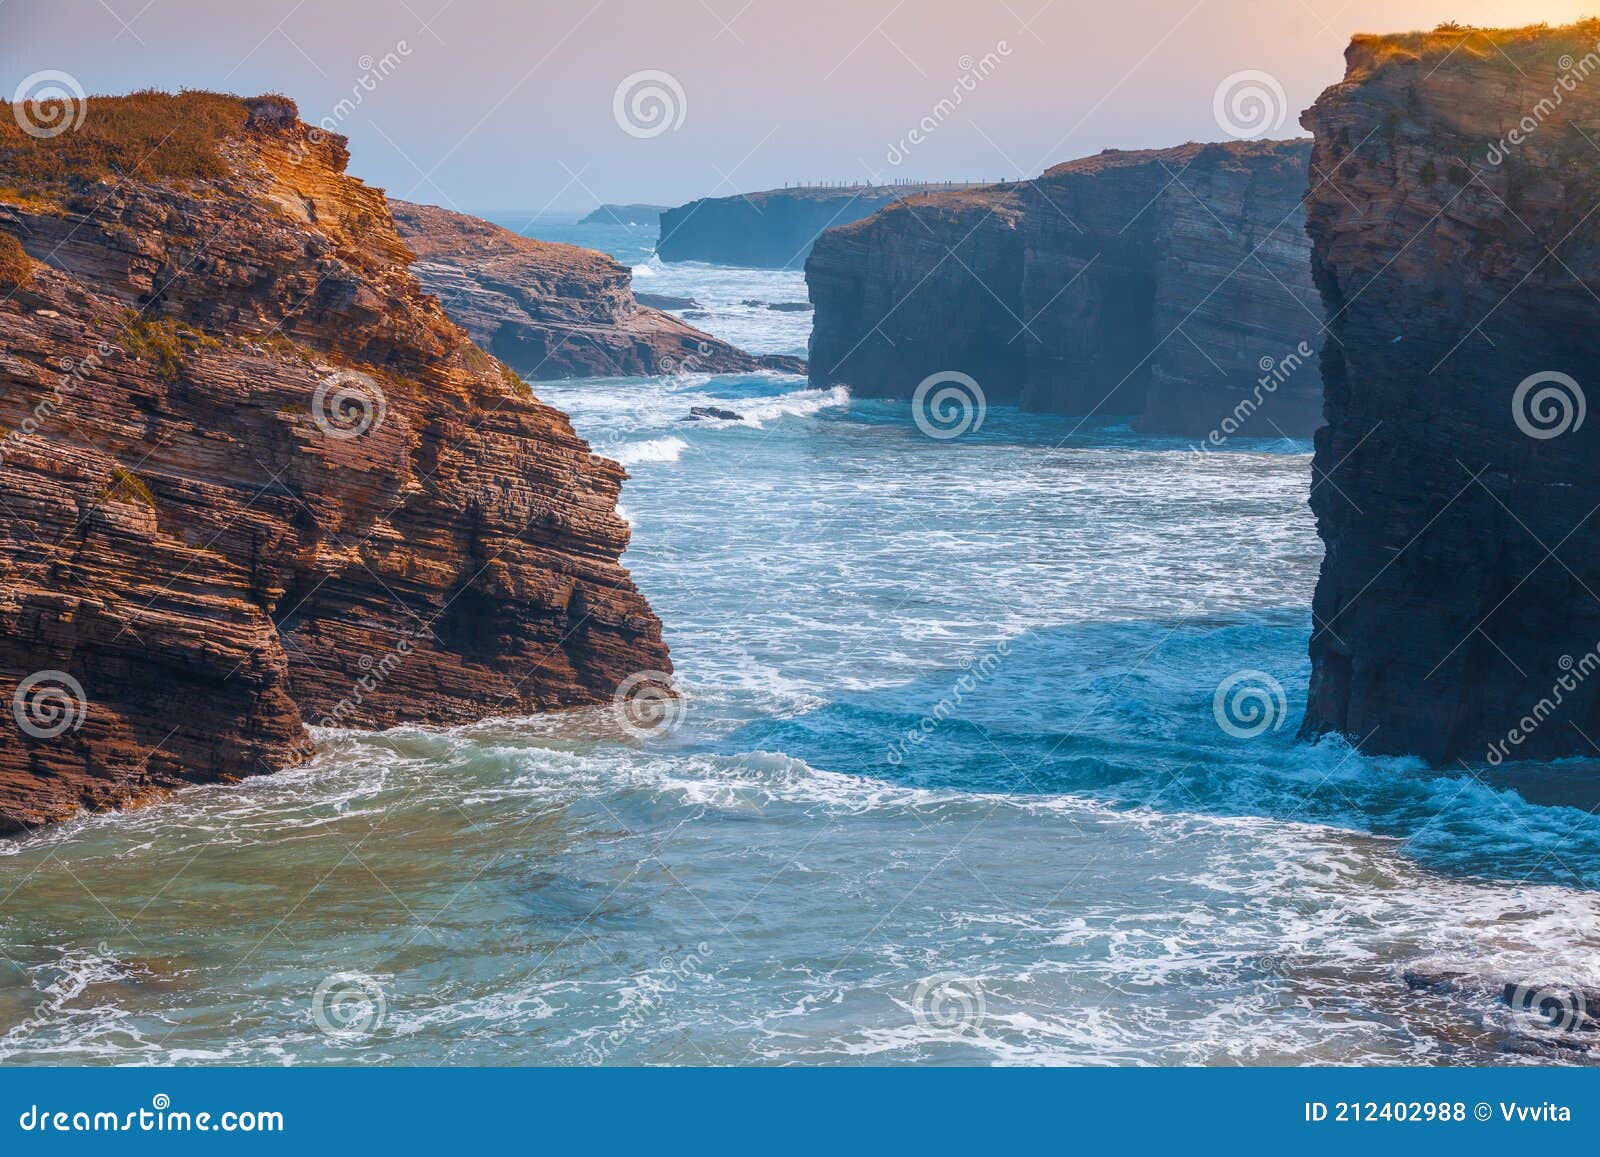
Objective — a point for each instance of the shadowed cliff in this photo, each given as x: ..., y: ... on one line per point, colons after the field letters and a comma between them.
x: 1170, y: 285
x: 1455, y: 177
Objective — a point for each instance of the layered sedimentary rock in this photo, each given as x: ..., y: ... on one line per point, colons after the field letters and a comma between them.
x: 648, y: 216
x: 554, y: 311
x: 773, y: 229
x: 254, y: 477
x: 1455, y: 177
x: 1172, y: 285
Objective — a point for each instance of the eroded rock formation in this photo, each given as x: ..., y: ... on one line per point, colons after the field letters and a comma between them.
x: 773, y: 229
x: 1171, y: 285
x: 1455, y: 176
x: 555, y: 311
x: 253, y: 476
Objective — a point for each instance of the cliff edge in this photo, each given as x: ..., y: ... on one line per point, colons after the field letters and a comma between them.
x: 1171, y: 285
x: 253, y: 477
x: 1452, y: 215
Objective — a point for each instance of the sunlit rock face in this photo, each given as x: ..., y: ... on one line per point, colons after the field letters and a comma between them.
x: 1453, y: 185
x: 253, y: 477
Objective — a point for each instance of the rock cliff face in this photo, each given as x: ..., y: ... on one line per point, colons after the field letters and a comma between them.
x: 555, y: 311
x: 1172, y: 285
x: 252, y: 476
x: 773, y: 229
x: 1455, y: 241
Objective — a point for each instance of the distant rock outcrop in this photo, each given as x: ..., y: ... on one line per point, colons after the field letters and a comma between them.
x: 1171, y: 285
x: 773, y: 229
x: 1455, y: 486
x: 553, y: 311
x: 642, y: 216
x: 254, y: 476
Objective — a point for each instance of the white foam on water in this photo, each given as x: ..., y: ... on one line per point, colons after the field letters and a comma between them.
x: 654, y: 450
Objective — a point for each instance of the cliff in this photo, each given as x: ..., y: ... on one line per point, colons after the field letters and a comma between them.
x: 643, y: 215
x: 773, y: 229
x: 1171, y: 285
x: 253, y: 476
x: 553, y: 311
x: 1455, y: 243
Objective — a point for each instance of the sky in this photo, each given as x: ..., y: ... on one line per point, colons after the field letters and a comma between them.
x: 485, y: 105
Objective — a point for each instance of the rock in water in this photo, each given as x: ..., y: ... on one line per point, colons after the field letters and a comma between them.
x: 1171, y: 285
x: 553, y: 311
x: 702, y: 413
x: 665, y: 301
x: 254, y: 476
x: 1450, y: 210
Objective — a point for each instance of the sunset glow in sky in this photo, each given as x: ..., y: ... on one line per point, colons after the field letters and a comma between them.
x: 489, y: 104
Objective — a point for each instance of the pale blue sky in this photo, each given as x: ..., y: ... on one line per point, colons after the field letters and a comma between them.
x: 492, y: 104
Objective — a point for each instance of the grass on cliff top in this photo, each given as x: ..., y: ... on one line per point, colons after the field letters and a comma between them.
x: 151, y: 136
x: 1532, y: 44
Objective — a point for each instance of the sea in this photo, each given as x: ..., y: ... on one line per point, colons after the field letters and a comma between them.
x: 985, y: 753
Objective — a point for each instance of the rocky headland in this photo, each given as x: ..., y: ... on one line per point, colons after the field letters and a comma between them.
x: 253, y: 477
x: 1455, y: 176
x: 643, y: 216
x: 553, y: 311
x: 772, y: 229
x: 1172, y: 285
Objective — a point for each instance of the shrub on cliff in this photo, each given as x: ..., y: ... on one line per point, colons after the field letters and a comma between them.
x: 16, y: 267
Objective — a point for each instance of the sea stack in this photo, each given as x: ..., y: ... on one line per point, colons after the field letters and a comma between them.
x: 1454, y: 182
x: 255, y: 478
x: 1171, y: 285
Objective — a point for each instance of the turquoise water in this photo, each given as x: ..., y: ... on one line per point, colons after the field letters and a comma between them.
x: 948, y: 786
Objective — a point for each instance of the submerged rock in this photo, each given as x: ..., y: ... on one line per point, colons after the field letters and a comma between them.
x: 1172, y: 285
x: 1455, y: 483
x: 665, y: 301
x: 254, y: 477
x: 779, y: 306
